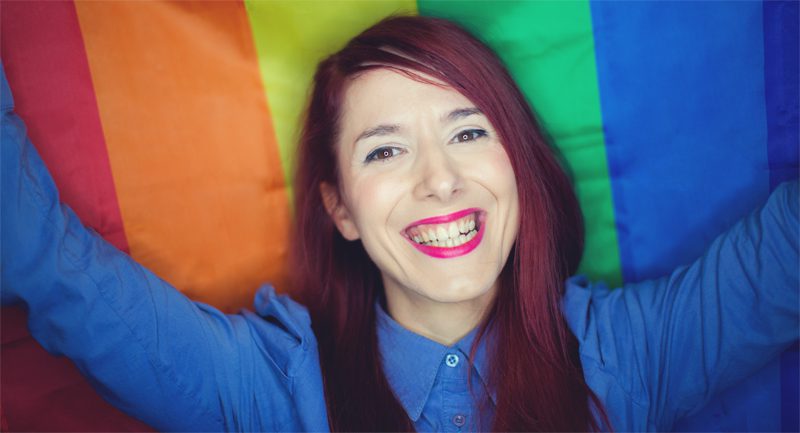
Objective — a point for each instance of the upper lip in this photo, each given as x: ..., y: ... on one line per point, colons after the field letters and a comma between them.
x: 441, y: 219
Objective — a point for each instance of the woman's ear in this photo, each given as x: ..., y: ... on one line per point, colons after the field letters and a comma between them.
x: 338, y: 211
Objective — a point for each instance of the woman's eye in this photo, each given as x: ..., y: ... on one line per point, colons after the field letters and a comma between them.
x: 468, y: 135
x: 383, y: 153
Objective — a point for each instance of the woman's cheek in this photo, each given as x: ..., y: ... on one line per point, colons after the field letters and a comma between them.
x: 493, y: 169
x: 375, y: 197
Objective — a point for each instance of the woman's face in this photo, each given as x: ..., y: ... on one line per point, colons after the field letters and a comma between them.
x: 427, y: 186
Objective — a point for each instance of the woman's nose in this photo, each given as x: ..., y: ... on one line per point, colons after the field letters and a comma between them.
x: 439, y: 176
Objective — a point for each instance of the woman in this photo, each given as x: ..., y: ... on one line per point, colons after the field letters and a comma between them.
x: 435, y: 230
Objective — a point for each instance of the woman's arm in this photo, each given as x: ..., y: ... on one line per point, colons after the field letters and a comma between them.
x: 672, y: 343
x: 149, y: 350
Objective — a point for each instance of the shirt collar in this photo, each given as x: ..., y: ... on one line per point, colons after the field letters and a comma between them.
x: 481, y: 359
x: 411, y: 361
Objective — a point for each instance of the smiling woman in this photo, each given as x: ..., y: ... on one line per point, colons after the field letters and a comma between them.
x: 456, y: 140
x: 435, y: 239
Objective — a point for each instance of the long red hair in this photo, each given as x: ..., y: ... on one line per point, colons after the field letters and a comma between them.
x: 540, y: 384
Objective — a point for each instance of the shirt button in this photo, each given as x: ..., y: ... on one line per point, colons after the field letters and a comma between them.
x: 451, y: 360
x: 459, y: 420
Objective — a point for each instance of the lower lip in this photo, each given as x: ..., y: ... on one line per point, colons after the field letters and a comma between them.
x: 448, y: 253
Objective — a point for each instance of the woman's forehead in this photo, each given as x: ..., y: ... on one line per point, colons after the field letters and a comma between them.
x: 388, y: 95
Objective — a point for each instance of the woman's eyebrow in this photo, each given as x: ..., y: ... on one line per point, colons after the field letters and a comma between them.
x: 387, y: 129
x: 377, y: 131
x: 460, y: 113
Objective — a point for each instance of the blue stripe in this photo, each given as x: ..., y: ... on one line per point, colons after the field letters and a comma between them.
x: 683, y: 102
x: 682, y: 97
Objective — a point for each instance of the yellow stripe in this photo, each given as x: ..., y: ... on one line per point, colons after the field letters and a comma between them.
x: 291, y: 38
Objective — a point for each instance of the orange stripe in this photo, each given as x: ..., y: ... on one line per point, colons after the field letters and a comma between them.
x: 192, y: 148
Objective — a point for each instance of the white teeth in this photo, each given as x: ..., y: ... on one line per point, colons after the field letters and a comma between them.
x: 471, y: 224
x: 425, y: 237
x: 431, y: 234
x: 447, y: 242
x: 461, y: 226
x: 441, y: 233
x: 452, y: 230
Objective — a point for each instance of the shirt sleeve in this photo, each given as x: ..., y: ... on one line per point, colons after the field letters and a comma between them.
x: 149, y: 350
x: 672, y: 343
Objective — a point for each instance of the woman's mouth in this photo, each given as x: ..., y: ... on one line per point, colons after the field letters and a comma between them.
x: 448, y: 236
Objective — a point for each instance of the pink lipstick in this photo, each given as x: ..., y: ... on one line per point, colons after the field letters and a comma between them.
x: 448, y: 236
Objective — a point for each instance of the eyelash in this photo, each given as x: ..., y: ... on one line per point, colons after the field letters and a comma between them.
x: 473, y: 134
x: 373, y: 156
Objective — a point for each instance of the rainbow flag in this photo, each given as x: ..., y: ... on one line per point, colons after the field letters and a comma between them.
x: 170, y: 129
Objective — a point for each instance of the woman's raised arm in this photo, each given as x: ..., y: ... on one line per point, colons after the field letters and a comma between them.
x: 671, y: 344
x: 175, y: 364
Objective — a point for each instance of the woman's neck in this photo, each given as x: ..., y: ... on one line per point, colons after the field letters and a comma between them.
x: 443, y: 322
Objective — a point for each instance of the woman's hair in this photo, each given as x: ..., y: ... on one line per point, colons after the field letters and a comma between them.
x: 539, y: 383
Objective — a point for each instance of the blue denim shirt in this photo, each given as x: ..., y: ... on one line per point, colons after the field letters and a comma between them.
x: 449, y: 391
x: 652, y: 352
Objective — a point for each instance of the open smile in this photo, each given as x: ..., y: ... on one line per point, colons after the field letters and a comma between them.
x: 448, y: 236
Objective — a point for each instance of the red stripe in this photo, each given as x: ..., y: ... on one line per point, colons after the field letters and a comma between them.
x: 45, y: 61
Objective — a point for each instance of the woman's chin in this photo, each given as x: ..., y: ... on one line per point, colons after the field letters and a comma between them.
x: 463, y: 290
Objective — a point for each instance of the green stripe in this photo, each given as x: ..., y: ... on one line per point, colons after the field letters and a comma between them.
x: 549, y: 48
x: 291, y: 38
